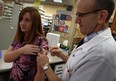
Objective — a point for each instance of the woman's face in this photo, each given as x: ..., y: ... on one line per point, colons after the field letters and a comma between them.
x: 26, y: 23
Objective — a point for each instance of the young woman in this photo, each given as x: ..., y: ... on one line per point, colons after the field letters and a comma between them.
x: 28, y: 41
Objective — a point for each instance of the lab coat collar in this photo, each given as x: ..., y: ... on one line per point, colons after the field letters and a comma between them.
x: 95, y: 40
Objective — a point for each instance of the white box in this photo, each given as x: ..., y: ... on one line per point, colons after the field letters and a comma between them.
x: 53, y: 39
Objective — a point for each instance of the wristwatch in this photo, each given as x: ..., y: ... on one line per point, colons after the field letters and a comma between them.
x: 45, y: 67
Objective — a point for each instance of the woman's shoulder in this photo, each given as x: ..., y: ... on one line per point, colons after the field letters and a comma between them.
x: 40, y: 38
x: 41, y: 41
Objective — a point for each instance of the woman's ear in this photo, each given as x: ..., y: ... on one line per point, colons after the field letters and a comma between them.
x: 103, y: 14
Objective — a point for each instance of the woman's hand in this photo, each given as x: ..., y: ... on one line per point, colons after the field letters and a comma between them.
x: 30, y: 49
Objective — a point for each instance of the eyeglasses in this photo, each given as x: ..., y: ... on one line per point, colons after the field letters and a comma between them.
x: 83, y: 14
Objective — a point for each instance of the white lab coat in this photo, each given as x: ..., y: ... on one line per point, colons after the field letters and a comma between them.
x: 93, y: 61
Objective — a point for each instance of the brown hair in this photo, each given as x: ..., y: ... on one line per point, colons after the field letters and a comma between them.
x: 36, y: 26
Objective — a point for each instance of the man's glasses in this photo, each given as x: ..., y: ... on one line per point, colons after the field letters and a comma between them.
x: 83, y: 14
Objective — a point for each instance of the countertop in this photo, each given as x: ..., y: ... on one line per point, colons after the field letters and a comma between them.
x: 7, y: 66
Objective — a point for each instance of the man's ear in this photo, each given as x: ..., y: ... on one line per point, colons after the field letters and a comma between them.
x: 103, y: 14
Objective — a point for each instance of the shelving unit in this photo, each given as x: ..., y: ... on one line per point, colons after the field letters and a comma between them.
x: 7, y: 14
x: 45, y: 17
x: 48, y: 19
x: 42, y: 13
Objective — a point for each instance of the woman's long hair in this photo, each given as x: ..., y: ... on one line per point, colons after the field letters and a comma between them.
x: 36, y: 28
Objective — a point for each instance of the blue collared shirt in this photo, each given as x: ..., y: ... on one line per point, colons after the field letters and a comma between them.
x: 90, y: 36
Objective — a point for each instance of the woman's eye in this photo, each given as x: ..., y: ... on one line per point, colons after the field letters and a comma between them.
x: 28, y: 20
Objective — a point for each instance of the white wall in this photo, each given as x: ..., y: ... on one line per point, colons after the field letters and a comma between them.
x: 6, y: 34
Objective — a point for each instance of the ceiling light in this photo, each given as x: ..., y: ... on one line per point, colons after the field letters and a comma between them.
x: 59, y: 1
